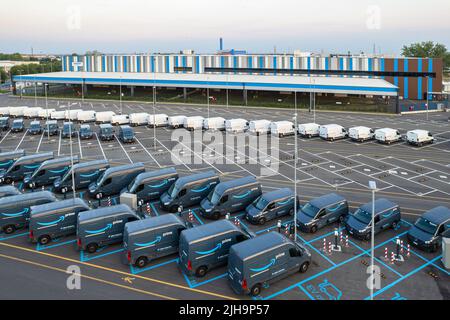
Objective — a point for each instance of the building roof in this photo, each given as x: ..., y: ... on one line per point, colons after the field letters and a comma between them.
x: 343, y: 85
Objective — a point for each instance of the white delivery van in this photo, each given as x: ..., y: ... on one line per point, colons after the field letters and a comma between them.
x: 120, y: 119
x: 387, y: 135
x: 193, y: 123
x: 4, y: 111
x: 236, y: 125
x: 282, y: 128
x: 86, y: 116
x: 216, y: 123
x: 361, y: 133
x: 419, y: 137
x: 158, y: 120
x: 259, y: 127
x: 176, y: 121
x: 58, y: 115
x: 72, y: 114
x: 45, y: 112
x: 31, y: 112
x: 17, y: 111
x: 332, y: 132
x: 138, y: 119
x: 104, y: 116
x: 308, y: 130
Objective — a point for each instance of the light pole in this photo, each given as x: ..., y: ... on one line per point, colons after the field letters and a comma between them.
x: 295, y: 170
x: 71, y: 152
x: 120, y: 94
x: 314, y: 100
x: 373, y: 187
x: 35, y: 91
x: 46, y: 111
x: 207, y: 94
x: 428, y: 80
x: 154, y: 109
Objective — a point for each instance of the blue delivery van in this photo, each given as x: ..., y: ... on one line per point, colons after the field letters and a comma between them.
x: 85, y: 173
x: 189, y: 190
x: 387, y: 215
x: 6, y: 191
x: 149, y: 186
x: 8, y: 158
x: 428, y: 231
x: 24, y: 166
x: 322, y: 211
x: 99, y: 227
x: 152, y: 238
x: 230, y: 197
x: 15, y: 210
x: 258, y: 262
x: 55, y: 219
x: 271, y: 205
x: 206, y: 247
x: 49, y: 171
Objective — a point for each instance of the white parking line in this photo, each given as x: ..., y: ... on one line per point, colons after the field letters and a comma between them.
x: 101, y: 148
x: 79, y: 145
x: 40, y: 141
x: 179, y: 160
x: 126, y: 153
x: 59, y: 143
x: 23, y: 137
x: 145, y: 149
x: 5, y: 136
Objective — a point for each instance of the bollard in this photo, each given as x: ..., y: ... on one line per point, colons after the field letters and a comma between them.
x: 341, y: 235
x: 330, y: 247
x: 346, y: 240
x: 149, y: 210
x: 398, y: 246
x: 401, y: 247
x: 336, y: 235
x: 408, y: 250
x: 325, y: 245
x: 180, y: 210
x: 392, y: 257
x: 279, y: 226
x: 386, y: 257
x: 227, y: 216
x: 190, y: 216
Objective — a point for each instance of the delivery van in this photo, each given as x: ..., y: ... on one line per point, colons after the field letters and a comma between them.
x: 86, y: 116
x: 35, y: 128
x: 45, y: 113
x: 49, y: 171
x: 6, y: 191
x: 230, y: 197
x: 120, y: 119
x: 149, y: 239
x: 214, y: 124
x: 15, y: 210
x: 282, y: 128
x: 428, y: 231
x: 104, y: 226
x: 361, y: 133
x: 53, y: 220
x: 106, y: 132
x: 322, y: 211
x: 58, y: 115
x: 308, y: 130
x: 271, y: 205
x: 236, y: 125
x: 51, y: 128
x: 68, y: 130
x: 18, y: 125
x: 8, y: 158
x: 149, y: 186
x: 24, y: 166
x: 72, y: 114
x: 258, y: 127
x: 16, y: 112
x: 189, y: 190
x: 4, y: 111
x: 4, y: 123
x: 175, y: 122
x: 256, y: 263
x: 139, y: 119
x: 332, y: 132
x: 85, y: 173
x: 193, y: 123
x: 207, y: 246
x: 86, y: 132
x: 115, y: 179
x: 419, y: 137
x: 104, y: 116
x: 158, y: 120
x: 126, y: 134
x: 31, y: 112
x: 387, y: 215
x: 387, y: 135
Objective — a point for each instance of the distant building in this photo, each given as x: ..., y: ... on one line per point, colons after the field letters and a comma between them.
x: 7, y: 64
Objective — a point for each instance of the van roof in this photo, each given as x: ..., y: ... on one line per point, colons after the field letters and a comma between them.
x: 153, y: 223
x: 35, y: 156
x: 9, y: 189
x: 105, y: 125
x: 224, y: 186
x: 12, y: 153
x: 125, y: 127
x: 51, y: 122
x: 27, y: 196
x: 59, y: 160
x: 137, y: 165
x: 437, y: 215
x: 418, y: 131
x: 253, y: 246
x: 195, y: 177
x: 57, y: 205
x: 278, y: 194
x: 208, y: 230
x: 103, y: 212
x: 90, y: 163
x: 380, y: 205
x: 326, y: 200
x: 85, y: 126
x: 35, y: 122
x: 156, y: 173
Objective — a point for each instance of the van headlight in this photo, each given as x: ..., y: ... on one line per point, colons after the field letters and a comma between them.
x: 310, y: 223
x: 166, y: 203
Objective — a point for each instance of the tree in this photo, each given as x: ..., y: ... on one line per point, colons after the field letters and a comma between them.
x: 428, y: 49
x: 3, y: 75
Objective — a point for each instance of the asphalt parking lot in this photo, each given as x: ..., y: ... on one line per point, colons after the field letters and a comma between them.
x: 417, y: 179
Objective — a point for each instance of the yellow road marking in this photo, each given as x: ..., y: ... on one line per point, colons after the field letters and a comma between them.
x: 88, y: 277
x: 118, y: 271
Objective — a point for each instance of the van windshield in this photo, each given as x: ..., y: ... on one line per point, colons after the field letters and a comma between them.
x: 426, y: 226
x: 214, y: 197
x: 67, y: 176
x: 261, y: 203
x: 106, y: 130
x: 363, y: 216
x: 310, y: 210
x: 173, y: 190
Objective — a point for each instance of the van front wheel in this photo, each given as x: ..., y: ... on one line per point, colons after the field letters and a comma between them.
x: 43, y: 240
x: 255, y: 290
x: 304, y: 267
x: 141, y: 262
x: 201, y: 271
x: 9, y: 229
x: 92, y: 247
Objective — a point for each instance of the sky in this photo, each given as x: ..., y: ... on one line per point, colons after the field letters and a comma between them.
x: 258, y: 26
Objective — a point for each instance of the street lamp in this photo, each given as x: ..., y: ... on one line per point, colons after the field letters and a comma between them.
x: 120, y: 94
x: 71, y: 152
x: 154, y: 108
x: 373, y: 187
x: 295, y: 167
